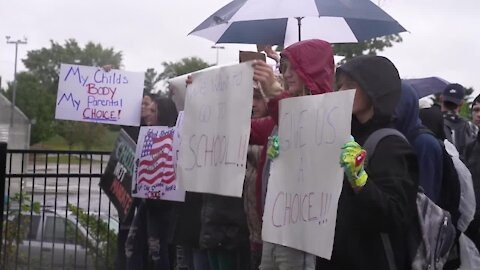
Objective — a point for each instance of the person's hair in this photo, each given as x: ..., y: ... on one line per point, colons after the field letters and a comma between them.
x: 475, y: 102
x: 450, y: 105
x: 166, y: 111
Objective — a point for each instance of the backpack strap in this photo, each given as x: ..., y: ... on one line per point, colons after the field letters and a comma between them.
x: 370, y: 145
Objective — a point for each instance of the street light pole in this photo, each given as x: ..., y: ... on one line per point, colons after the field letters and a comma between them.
x: 217, y: 48
x: 14, y: 93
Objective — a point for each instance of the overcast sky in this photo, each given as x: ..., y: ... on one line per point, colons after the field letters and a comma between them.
x: 443, y: 38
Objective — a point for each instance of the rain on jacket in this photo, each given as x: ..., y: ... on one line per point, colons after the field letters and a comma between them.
x: 386, y: 204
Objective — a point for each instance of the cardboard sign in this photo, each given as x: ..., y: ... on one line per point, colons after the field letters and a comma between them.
x: 116, y: 181
x: 245, y: 56
x: 306, y: 178
x: 216, y: 130
x: 90, y: 94
x: 155, y: 165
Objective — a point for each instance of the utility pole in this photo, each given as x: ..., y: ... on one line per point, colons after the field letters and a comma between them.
x: 217, y: 48
x: 16, y: 42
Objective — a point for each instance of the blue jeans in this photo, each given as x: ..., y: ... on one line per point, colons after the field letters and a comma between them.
x: 278, y: 257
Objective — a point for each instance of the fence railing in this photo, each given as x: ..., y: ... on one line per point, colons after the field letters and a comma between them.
x: 53, y: 213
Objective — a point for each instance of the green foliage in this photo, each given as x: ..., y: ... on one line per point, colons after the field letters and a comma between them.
x: 15, y: 229
x: 184, y: 66
x: 44, y: 64
x: 36, y: 103
x: 37, y: 88
x: 369, y: 47
x: 151, y: 80
x: 57, y: 142
x: 69, y: 132
x: 89, y: 135
x: 103, y: 254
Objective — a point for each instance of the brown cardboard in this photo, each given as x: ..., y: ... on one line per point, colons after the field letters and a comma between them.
x: 248, y: 56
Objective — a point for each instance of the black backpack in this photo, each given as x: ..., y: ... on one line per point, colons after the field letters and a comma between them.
x: 431, y: 235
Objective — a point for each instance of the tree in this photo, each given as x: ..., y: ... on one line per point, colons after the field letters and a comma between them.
x: 182, y: 67
x: 36, y: 103
x: 151, y: 80
x: 44, y: 67
x: 90, y: 134
x: 68, y: 130
x: 44, y: 64
x: 369, y: 47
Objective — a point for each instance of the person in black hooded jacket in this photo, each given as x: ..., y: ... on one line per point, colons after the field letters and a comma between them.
x: 379, y: 198
x: 472, y: 161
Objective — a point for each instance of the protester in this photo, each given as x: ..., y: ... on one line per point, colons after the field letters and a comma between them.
x: 380, y: 198
x: 458, y: 130
x: 148, y: 115
x: 425, y: 144
x: 475, y: 108
x: 154, y: 219
x: 472, y: 160
x: 432, y: 118
x: 187, y: 234
x: 307, y: 68
x: 259, y: 110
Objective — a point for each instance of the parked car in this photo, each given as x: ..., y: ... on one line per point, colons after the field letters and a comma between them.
x: 57, y: 240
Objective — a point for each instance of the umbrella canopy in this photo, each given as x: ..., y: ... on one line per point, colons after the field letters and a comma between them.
x: 427, y: 86
x: 285, y: 22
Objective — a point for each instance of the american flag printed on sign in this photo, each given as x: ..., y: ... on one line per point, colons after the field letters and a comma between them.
x: 156, y: 160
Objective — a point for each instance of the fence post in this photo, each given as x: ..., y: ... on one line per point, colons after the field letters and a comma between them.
x: 3, y: 167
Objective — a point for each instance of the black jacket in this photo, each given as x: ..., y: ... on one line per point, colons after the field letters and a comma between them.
x: 472, y: 161
x: 224, y: 224
x: 386, y: 204
x: 187, y: 229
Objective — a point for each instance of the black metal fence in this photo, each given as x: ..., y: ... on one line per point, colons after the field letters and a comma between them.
x: 53, y: 213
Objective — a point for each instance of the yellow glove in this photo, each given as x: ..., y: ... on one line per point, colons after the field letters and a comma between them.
x: 352, y: 160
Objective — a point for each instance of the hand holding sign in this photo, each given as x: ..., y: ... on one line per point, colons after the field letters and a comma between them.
x: 263, y: 74
x: 306, y: 178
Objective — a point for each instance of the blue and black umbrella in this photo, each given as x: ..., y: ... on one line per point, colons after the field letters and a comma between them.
x: 427, y: 86
x: 287, y: 21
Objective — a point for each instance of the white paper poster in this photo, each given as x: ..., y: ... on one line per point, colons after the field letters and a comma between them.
x: 90, y: 94
x: 155, y: 165
x: 306, y: 178
x: 216, y: 130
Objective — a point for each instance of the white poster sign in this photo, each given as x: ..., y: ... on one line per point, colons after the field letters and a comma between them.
x: 90, y: 94
x: 306, y: 178
x: 155, y: 165
x: 216, y: 130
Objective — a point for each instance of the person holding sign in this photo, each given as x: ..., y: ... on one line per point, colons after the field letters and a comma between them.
x: 153, y: 217
x: 379, y: 198
x: 307, y: 68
